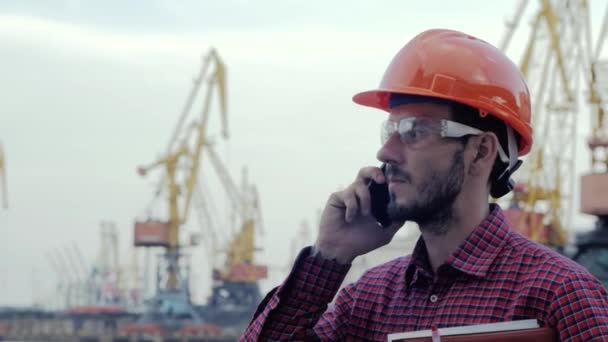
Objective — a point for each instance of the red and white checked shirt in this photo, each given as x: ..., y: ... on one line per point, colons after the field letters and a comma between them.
x: 495, y: 275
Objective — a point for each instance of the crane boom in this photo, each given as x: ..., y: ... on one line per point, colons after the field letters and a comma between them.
x: 229, y: 186
x: 512, y: 25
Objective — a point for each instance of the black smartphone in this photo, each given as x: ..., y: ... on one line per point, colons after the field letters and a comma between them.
x: 380, y: 197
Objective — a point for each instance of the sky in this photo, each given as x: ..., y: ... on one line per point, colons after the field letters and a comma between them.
x: 92, y: 89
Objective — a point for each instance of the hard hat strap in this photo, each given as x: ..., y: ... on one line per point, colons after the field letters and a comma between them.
x: 510, y: 159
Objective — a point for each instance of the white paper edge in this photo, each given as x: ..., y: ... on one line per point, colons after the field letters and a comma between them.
x: 470, y: 329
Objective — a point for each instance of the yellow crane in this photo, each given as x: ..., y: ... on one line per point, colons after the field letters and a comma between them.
x: 562, y: 62
x: 592, y: 247
x: 236, y: 282
x: 3, y: 183
x: 555, y: 62
x: 240, y: 252
x: 180, y: 165
x: 185, y: 153
x: 594, y: 185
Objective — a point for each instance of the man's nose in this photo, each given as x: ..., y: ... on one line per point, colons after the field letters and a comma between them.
x: 391, y: 151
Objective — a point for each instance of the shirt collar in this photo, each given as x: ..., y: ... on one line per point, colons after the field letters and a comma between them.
x: 474, y: 256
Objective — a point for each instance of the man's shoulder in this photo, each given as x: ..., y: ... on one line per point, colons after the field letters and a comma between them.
x: 568, y: 296
x: 540, y: 259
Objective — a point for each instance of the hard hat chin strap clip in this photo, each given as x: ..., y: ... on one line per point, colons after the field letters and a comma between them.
x: 504, y: 184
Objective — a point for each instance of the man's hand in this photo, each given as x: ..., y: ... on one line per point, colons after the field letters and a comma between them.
x: 348, y: 229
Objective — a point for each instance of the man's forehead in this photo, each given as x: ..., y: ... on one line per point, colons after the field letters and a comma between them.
x: 422, y: 109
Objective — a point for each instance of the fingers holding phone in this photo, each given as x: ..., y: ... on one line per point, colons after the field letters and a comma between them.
x: 356, y: 199
x: 350, y: 221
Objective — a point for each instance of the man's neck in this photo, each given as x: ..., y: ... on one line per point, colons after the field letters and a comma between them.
x: 440, y: 246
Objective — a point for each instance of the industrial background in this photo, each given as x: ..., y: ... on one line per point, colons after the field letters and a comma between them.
x: 161, y: 164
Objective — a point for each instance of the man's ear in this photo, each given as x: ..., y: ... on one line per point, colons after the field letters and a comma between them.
x: 485, y: 151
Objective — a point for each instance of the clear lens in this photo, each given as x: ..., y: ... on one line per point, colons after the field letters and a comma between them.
x: 386, y: 130
x: 413, y: 130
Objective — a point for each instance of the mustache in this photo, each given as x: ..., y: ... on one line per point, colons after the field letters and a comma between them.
x: 395, y: 172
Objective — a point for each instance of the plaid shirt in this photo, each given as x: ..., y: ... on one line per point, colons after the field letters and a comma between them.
x: 495, y: 275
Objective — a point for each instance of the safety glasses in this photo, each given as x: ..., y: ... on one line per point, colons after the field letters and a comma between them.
x: 413, y: 131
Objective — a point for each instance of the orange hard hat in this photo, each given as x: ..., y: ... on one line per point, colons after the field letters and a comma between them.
x: 455, y: 66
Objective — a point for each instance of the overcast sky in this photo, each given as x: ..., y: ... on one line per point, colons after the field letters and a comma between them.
x: 91, y: 89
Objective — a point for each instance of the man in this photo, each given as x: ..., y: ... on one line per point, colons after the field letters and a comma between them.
x: 459, y: 117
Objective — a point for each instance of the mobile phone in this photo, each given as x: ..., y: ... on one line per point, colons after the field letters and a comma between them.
x: 379, y: 199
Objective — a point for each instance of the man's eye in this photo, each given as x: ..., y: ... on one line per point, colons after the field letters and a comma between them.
x: 412, y: 133
x: 420, y: 130
x: 415, y: 133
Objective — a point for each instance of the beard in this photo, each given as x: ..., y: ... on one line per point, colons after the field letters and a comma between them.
x: 435, y: 195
